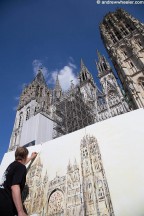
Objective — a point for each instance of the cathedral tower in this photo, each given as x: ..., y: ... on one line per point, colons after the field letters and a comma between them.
x: 74, y: 201
x: 36, y: 98
x: 123, y: 37
x: 96, y: 194
x: 87, y: 85
x: 114, y: 98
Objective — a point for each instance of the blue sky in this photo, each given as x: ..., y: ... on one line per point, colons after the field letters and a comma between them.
x: 52, y: 34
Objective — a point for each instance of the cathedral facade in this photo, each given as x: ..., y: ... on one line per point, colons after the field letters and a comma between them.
x: 83, y: 190
x: 87, y: 103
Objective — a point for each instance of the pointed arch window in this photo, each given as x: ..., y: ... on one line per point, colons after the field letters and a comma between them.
x: 118, y: 35
x: 35, y: 110
x: 27, y: 113
x: 104, y: 66
x: 113, y: 98
x: 118, y: 16
x: 40, y: 93
x: 15, y: 138
x: 132, y: 66
x: 124, y: 53
x: 83, y: 76
x: 37, y: 90
x: 101, y: 193
x: 90, y: 196
x: 131, y: 63
x: 113, y: 38
x: 100, y: 68
x: 20, y: 119
x: 89, y: 185
x: 124, y: 31
x: 141, y: 82
x: 110, y: 23
x: 129, y: 27
x: 139, y: 43
x: 107, y: 27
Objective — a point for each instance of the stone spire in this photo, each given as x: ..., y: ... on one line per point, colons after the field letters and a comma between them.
x: 40, y: 77
x: 102, y: 65
x: 69, y: 167
x: 99, y: 55
x: 58, y: 89
x: 85, y: 75
x: 57, y: 85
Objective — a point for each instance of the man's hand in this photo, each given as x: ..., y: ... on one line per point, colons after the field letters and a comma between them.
x: 33, y: 155
x: 22, y: 213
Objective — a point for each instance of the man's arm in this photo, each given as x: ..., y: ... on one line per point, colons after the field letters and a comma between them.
x: 33, y: 155
x: 16, y: 195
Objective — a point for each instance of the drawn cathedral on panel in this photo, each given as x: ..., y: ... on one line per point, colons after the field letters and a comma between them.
x: 82, y: 191
x: 44, y: 114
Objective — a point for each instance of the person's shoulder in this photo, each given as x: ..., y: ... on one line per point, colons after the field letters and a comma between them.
x: 18, y: 164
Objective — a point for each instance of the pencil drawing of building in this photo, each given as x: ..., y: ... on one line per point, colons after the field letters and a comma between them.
x: 83, y: 190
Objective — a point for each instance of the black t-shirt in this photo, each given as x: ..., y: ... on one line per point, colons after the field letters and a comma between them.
x: 15, y: 174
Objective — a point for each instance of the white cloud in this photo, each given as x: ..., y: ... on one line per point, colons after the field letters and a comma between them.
x: 72, y: 65
x: 66, y: 75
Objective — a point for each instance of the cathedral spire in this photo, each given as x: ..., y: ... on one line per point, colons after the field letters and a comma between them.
x: 102, y: 65
x: 99, y: 55
x: 58, y: 89
x: 69, y: 167
x: 40, y: 77
x: 57, y: 85
x: 82, y: 63
x: 75, y: 164
x: 85, y: 75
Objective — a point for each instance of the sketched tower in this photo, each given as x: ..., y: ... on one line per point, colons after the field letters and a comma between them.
x: 97, y: 201
x: 123, y: 37
x: 36, y: 186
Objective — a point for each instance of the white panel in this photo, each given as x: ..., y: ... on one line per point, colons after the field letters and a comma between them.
x: 29, y: 130
x: 121, y: 143
x: 38, y: 128
x: 45, y: 129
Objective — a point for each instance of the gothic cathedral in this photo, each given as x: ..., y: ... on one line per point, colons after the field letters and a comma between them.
x: 87, y: 103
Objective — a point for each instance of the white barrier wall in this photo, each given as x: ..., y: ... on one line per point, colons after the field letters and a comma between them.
x: 98, y: 169
x: 38, y: 128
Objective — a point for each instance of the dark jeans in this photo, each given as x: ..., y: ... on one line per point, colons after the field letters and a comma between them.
x: 7, y: 207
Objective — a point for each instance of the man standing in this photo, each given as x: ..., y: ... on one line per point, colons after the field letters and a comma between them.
x: 13, y: 182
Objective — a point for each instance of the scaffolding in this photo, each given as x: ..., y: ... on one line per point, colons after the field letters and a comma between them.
x: 72, y: 113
